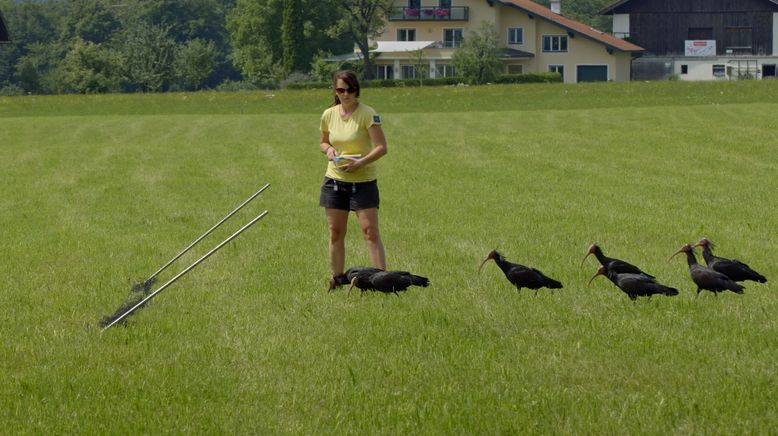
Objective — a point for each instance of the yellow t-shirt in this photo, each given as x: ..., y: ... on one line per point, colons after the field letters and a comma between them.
x: 350, y: 138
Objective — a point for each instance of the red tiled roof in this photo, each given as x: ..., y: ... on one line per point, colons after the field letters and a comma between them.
x: 573, y: 26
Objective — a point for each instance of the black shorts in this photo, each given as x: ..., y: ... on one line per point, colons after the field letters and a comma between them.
x: 348, y: 195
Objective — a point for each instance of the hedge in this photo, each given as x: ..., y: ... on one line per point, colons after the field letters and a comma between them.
x: 440, y: 81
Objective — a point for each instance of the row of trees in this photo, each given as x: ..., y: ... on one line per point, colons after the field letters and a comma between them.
x: 87, y: 46
x: 151, y: 45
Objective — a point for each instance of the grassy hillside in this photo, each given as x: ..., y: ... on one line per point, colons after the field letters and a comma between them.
x: 99, y: 191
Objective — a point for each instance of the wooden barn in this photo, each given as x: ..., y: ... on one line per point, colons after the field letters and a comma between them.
x: 700, y: 39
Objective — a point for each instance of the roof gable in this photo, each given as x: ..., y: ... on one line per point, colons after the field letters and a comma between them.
x: 611, y: 9
x: 572, y: 26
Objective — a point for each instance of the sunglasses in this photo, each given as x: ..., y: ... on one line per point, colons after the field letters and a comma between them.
x: 345, y: 90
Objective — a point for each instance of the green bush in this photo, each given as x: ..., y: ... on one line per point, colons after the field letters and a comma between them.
x: 242, y: 85
x: 11, y: 90
x: 438, y: 81
x: 308, y: 85
x: 529, y: 78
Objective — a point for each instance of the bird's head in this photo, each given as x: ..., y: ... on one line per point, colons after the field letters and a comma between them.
x: 685, y: 249
x: 493, y: 255
x: 593, y: 249
x: 601, y: 271
x: 337, y: 281
x: 704, y: 243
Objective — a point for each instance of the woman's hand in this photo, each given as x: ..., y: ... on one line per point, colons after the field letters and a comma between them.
x: 353, y: 165
x: 331, y: 153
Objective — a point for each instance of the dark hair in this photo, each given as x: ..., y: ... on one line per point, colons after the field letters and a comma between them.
x: 351, y: 80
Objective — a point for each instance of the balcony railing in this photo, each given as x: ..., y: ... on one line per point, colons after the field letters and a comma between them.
x: 429, y: 14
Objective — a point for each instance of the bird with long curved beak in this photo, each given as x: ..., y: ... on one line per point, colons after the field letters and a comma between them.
x: 634, y: 285
x: 734, y: 269
x: 521, y: 276
x: 706, y: 278
x: 615, y: 265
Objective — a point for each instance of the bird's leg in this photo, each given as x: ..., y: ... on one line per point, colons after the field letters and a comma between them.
x: 698, y: 293
x: 536, y: 292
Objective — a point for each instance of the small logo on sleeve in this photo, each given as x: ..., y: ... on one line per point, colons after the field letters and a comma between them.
x: 377, y: 119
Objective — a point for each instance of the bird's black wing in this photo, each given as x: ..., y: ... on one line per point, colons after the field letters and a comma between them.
x: 640, y: 285
x: 621, y: 267
x: 736, y: 270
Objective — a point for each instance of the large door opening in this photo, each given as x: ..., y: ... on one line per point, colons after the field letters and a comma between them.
x: 592, y: 73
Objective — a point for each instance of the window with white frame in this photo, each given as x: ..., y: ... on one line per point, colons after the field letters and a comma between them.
x: 452, y: 38
x: 384, y: 72
x: 515, y: 35
x: 445, y: 70
x: 554, y: 43
x: 406, y: 34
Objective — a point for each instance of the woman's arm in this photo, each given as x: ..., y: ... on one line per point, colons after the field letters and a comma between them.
x: 325, y: 146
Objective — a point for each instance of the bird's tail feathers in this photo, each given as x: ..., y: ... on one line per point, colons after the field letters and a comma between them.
x: 420, y: 281
x: 670, y: 292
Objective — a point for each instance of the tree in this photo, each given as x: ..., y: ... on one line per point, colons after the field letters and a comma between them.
x: 28, y: 77
x: 148, y: 54
x: 33, y: 26
x: 254, y: 28
x: 362, y: 20
x: 89, y: 68
x: 477, y: 60
x: 421, y: 65
x: 585, y: 11
x: 90, y: 20
x: 292, y: 36
x: 195, y: 61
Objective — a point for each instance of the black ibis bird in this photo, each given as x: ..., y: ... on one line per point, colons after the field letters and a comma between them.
x: 635, y: 285
x: 521, y: 276
x: 734, y: 269
x: 706, y: 278
x: 618, y: 266
x: 345, y: 278
x: 386, y: 281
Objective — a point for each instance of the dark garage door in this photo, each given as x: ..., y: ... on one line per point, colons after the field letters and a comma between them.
x: 592, y: 73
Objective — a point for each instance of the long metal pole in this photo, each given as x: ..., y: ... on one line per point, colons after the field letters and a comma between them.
x: 197, y: 262
x: 206, y: 233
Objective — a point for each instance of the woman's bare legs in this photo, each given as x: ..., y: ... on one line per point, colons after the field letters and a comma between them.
x: 368, y: 222
x: 337, y: 221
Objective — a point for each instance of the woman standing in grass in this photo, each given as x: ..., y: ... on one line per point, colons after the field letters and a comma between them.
x: 352, y: 140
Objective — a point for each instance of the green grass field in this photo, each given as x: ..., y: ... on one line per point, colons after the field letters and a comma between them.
x: 97, y: 192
